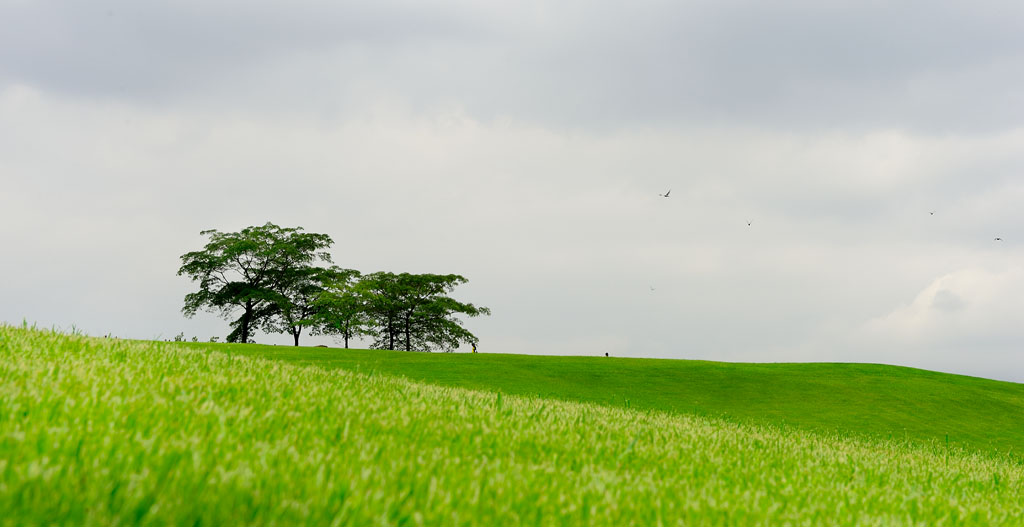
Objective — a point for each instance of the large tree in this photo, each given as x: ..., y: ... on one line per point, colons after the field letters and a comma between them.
x: 413, y: 311
x: 249, y: 271
x: 340, y: 310
x: 378, y: 293
x: 293, y: 300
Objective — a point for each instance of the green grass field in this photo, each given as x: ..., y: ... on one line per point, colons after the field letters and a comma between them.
x: 110, y: 432
x: 859, y: 399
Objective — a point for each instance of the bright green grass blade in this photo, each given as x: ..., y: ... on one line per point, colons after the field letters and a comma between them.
x: 858, y: 399
x: 106, y: 432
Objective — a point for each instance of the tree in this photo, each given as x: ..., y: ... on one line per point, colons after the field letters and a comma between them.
x: 261, y: 312
x: 413, y: 310
x: 340, y: 310
x: 293, y: 301
x: 249, y: 270
x: 436, y: 327
x: 378, y: 292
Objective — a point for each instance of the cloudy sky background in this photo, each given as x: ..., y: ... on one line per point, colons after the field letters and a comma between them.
x: 523, y: 145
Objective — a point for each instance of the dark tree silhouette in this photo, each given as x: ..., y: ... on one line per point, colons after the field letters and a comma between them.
x: 252, y: 270
x: 413, y: 311
x: 339, y: 309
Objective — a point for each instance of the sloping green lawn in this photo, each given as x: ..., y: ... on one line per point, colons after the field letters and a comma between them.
x: 876, y: 400
x: 100, y: 432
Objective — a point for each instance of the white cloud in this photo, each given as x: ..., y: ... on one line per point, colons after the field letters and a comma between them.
x: 963, y: 307
x: 966, y: 321
x: 559, y: 229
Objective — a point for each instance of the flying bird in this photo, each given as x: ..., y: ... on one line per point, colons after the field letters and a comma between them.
x: 931, y: 213
x: 665, y: 195
x: 748, y: 223
x: 998, y: 239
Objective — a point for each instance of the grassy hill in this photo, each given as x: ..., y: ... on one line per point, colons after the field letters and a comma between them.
x: 111, y: 432
x: 860, y: 399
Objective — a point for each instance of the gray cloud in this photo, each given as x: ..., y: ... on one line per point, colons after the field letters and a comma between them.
x: 948, y: 67
x: 524, y: 147
x: 948, y: 301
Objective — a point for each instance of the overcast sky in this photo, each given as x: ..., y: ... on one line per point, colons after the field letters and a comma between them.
x: 524, y: 145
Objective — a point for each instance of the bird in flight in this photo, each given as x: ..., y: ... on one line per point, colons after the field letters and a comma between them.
x: 998, y: 239
x: 931, y: 213
x: 749, y: 222
x: 665, y: 195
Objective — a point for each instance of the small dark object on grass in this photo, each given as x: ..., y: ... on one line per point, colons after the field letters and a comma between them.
x: 322, y: 346
x: 606, y: 354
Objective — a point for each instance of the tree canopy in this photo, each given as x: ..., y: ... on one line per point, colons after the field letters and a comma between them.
x: 413, y: 311
x: 339, y: 310
x: 267, y: 277
x: 251, y: 270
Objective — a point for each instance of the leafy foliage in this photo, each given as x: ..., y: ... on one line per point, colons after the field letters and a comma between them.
x: 413, y: 311
x: 294, y: 301
x: 251, y: 270
x: 339, y: 310
x: 269, y: 274
x: 114, y: 432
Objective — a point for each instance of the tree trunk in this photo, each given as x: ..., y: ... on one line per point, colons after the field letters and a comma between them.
x: 295, y: 333
x: 245, y: 321
x: 407, y: 340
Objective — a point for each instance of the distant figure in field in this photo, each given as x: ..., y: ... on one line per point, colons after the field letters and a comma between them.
x: 474, y: 348
x: 606, y: 354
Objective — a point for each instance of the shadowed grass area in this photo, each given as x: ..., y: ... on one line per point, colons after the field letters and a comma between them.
x: 859, y: 399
